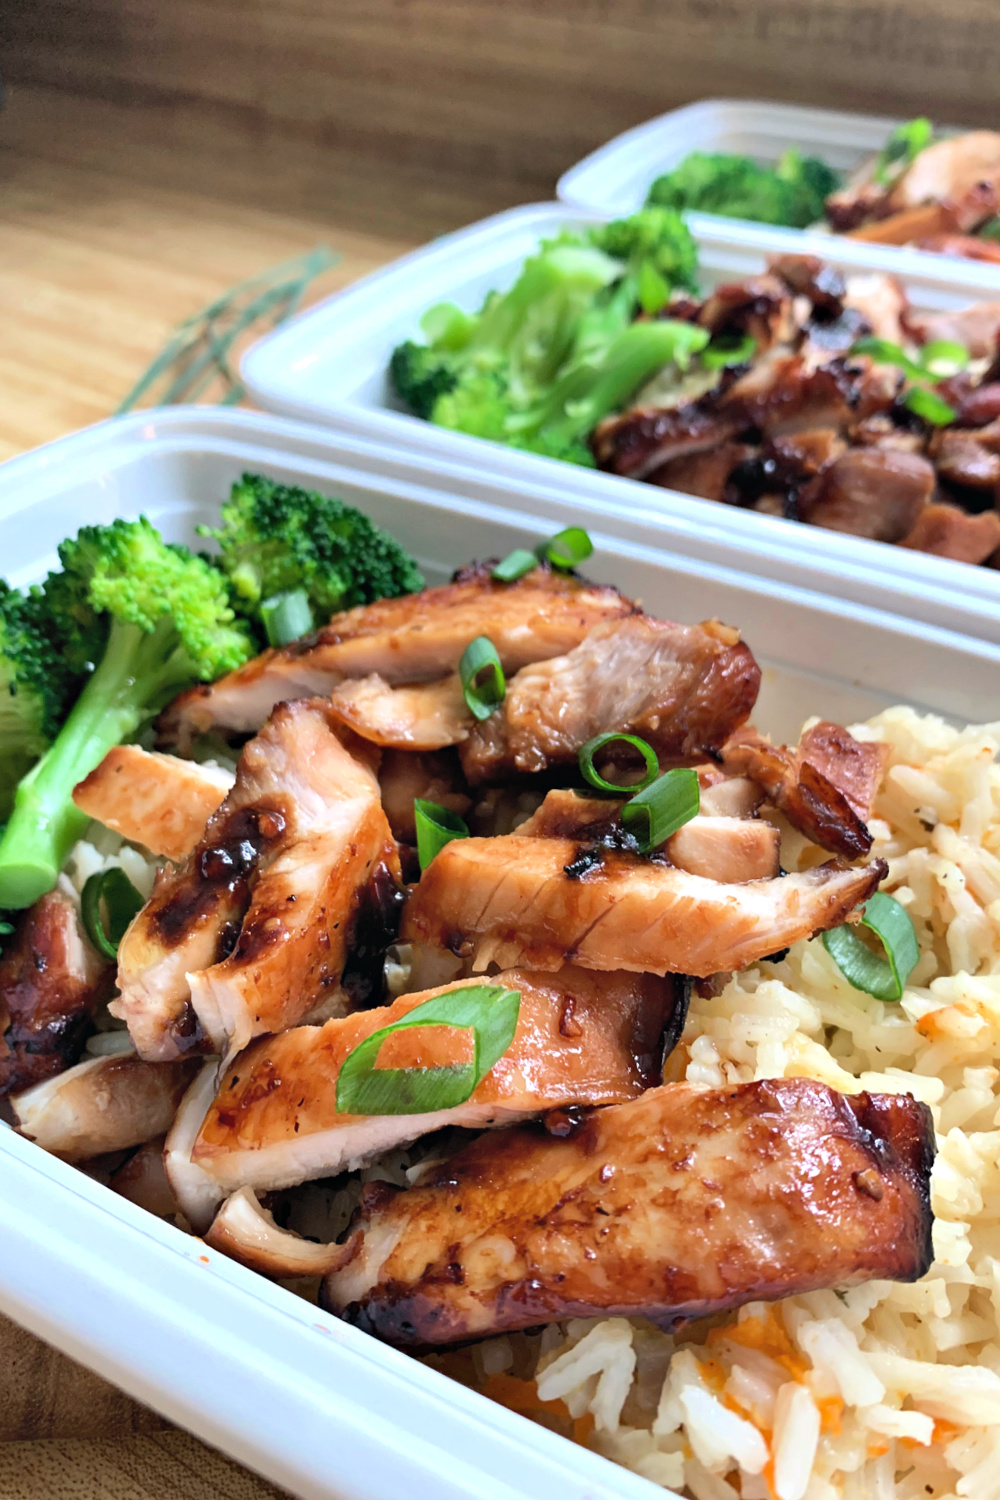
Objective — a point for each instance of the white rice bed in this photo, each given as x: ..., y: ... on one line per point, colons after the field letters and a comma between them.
x: 885, y: 1392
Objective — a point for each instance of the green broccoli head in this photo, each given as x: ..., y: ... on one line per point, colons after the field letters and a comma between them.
x: 421, y: 374
x: 276, y: 538
x: 792, y: 193
x: 657, y: 237
x: 36, y: 686
x: 127, y: 573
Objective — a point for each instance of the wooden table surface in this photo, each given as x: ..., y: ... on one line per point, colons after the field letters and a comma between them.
x: 115, y: 224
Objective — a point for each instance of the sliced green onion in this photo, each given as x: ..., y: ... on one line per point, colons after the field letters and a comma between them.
x: 436, y: 826
x: 654, y: 289
x: 883, y: 352
x: 488, y: 1010
x: 107, y: 906
x: 568, y: 548
x: 943, y: 357
x: 929, y: 405
x: 483, y: 683
x: 593, y: 777
x: 990, y: 230
x: 661, y: 808
x: 885, y: 978
x: 287, y: 616
x: 515, y: 565
x: 903, y: 146
x: 728, y: 349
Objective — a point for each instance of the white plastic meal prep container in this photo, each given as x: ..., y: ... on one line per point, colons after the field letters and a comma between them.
x: 316, y: 1405
x: 330, y: 366
x: 616, y: 177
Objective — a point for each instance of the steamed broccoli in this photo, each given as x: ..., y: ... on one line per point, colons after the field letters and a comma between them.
x: 793, y: 193
x: 540, y: 365
x: 143, y: 620
x: 36, y: 686
x: 276, y: 539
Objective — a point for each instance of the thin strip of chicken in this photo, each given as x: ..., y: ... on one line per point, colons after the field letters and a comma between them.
x: 159, y: 801
x: 423, y: 716
x: 413, y: 639
x: 104, y: 1104
x: 683, y: 688
x: 682, y: 1203
x: 273, y: 884
x: 581, y: 1038
x: 545, y: 902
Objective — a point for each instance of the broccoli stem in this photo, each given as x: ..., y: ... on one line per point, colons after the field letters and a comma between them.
x: 132, y: 679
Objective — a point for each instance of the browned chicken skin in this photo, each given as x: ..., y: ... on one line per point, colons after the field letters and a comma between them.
x: 682, y: 1203
x: 543, y: 902
x: 683, y: 688
x: 51, y: 982
x: 413, y: 639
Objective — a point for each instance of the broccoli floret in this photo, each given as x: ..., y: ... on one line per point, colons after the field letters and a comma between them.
x: 276, y: 538
x: 540, y: 365
x: 792, y: 193
x: 152, y: 619
x: 36, y: 687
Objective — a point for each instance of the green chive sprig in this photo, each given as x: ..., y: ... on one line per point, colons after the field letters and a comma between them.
x: 107, y: 905
x: 885, y: 978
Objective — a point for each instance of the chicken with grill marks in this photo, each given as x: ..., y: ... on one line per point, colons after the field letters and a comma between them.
x: 296, y: 875
x: 416, y: 638
x: 681, y: 1203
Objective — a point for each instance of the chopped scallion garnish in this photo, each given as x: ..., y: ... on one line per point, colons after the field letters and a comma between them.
x: 943, y: 357
x: 483, y: 683
x: 884, y: 352
x: 903, y: 146
x: 107, y: 906
x: 436, y: 826
x: 287, y: 616
x: 929, y: 406
x: 488, y: 1010
x: 515, y: 565
x: 593, y: 777
x: 885, y: 978
x: 728, y: 349
x: 656, y: 812
x: 568, y: 547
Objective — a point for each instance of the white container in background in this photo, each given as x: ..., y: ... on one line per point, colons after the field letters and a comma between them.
x: 616, y: 177
x: 330, y: 366
x: 316, y: 1405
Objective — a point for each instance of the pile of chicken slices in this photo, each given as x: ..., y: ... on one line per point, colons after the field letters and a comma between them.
x: 810, y: 429
x: 583, y: 1183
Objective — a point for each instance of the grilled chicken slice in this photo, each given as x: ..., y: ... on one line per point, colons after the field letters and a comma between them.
x: 142, y: 1180
x: 543, y: 902
x: 104, y: 1104
x: 733, y: 849
x: 580, y: 1039
x: 245, y: 1231
x: 871, y: 492
x: 947, y: 531
x: 825, y: 786
x: 159, y: 801
x: 423, y: 716
x: 433, y: 776
x: 976, y: 328
x: 51, y: 982
x: 684, y: 688
x: 681, y: 1203
x: 256, y: 926
x: 414, y: 639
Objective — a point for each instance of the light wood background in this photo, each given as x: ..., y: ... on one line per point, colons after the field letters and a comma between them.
x: 516, y: 88
x: 153, y: 152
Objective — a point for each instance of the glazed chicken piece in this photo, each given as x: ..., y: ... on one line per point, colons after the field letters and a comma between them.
x: 423, y: 716
x: 703, y: 474
x: 159, y: 801
x: 417, y: 638
x: 870, y: 492
x: 432, y: 776
x: 947, y: 531
x: 581, y: 1039
x: 543, y: 902
x: 726, y: 848
x: 975, y: 328
x: 950, y: 171
x: 104, y: 1104
x: 683, y: 688
x: 825, y: 786
x: 245, y: 1231
x: 51, y: 982
x: 142, y: 1179
x: 640, y: 442
x: 971, y: 459
x: 682, y: 1203
x: 257, y: 925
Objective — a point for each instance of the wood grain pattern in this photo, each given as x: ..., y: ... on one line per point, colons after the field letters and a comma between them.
x: 519, y: 88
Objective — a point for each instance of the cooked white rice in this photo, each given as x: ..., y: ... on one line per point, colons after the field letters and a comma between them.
x: 887, y: 1390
